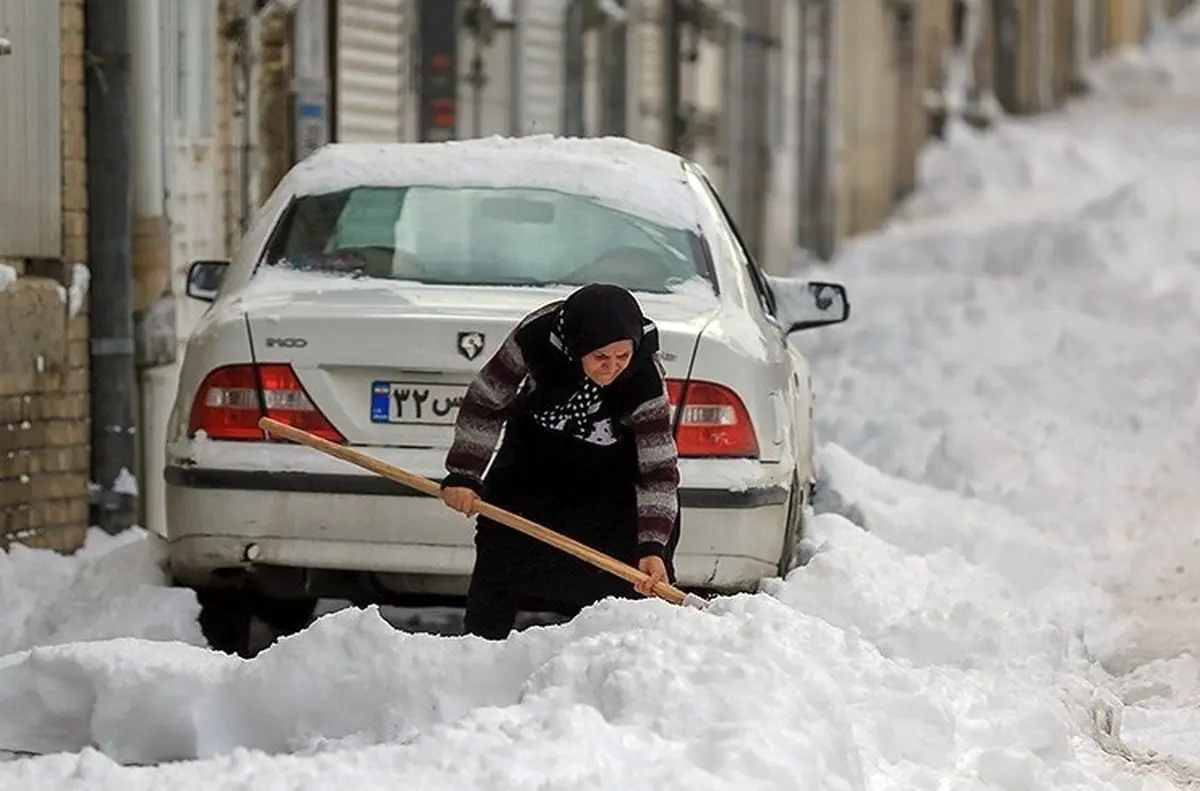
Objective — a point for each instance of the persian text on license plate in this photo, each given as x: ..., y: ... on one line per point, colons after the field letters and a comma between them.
x: 414, y: 402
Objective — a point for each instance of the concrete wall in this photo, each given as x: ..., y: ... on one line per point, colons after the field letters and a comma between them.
x: 1033, y: 65
x: 1127, y: 21
x: 879, y: 78
x: 44, y: 402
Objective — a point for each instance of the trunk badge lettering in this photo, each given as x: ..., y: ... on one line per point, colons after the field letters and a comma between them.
x: 286, y: 343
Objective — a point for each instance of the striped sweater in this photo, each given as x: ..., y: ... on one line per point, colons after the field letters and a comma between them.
x: 485, y: 408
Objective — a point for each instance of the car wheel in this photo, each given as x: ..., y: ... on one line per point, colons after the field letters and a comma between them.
x: 795, y: 527
x: 225, y: 618
x: 285, y: 616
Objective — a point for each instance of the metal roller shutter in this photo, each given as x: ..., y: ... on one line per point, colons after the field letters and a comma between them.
x: 541, y: 32
x: 372, y: 91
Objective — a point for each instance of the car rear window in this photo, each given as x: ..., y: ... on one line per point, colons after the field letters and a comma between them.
x: 483, y: 236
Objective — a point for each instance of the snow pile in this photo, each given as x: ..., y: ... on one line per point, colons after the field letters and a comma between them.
x: 125, y: 483
x: 112, y: 587
x: 832, y: 679
x: 633, y: 177
x: 1032, y: 340
x: 502, y: 10
x: 937, y: 578
x: 1026, y: 333
x: 916, y: 654
x: 74, y: 295
x: 8, y: 276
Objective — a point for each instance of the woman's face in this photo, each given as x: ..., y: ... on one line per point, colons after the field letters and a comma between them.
x: 606, y: 363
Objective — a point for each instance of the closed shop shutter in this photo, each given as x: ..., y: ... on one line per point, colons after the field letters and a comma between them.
x: 373, y: 94
x: 541, y: 31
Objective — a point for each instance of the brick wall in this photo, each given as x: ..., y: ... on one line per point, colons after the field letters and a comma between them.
x: 44, y: 428
x: 44, y: 401
x: 74, y: 135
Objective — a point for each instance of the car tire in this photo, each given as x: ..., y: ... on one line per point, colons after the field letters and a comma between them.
x: 285, y: 616
x: 795, y: 527
x: 225, y: 618
x: 227, y: 615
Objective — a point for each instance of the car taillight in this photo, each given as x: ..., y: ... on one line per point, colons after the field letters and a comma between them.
x: 714, y: 421
x: 228, y: 407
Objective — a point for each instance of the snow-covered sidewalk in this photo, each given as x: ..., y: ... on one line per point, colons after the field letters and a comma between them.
x: 1004, y: 562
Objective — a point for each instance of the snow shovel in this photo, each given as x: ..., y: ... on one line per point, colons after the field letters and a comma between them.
x: 519, y: 523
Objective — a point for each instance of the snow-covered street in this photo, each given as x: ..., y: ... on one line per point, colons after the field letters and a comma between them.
x: 1004, y: 590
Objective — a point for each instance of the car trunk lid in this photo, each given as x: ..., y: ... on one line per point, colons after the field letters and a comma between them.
x: 387, y: 363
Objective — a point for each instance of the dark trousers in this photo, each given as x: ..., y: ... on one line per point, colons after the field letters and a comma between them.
x: 513, y: 571
x: 494, y: 602
x: 491, y: 613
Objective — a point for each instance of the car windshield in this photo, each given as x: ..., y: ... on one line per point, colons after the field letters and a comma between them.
x: 483, y: 236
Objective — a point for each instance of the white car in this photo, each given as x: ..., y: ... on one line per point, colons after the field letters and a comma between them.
x: 373, y: 284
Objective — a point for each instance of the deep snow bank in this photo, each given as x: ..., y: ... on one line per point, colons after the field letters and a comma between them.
x: 904, y: 656
x: 113, y: 587
x: 1027, y: 330
x: 1027, y: 333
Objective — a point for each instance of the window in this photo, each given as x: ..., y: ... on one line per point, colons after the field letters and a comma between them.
x: 484, y: 236
x: 726, y: 230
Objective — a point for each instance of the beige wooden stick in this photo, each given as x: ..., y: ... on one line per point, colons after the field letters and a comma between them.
x: 424, y: 485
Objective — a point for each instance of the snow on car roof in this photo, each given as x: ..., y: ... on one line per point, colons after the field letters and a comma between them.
x: 618, y: 172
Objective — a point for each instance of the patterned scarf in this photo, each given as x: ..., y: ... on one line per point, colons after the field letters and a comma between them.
x: 572, y: 415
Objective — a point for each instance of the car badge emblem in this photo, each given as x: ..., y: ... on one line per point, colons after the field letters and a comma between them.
x: 470, y: 344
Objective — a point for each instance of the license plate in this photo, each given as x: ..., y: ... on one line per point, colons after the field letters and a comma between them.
x: 415, y: 403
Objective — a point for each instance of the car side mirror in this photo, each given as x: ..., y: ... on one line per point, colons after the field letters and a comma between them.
x: 818, y: 304
x: 204, y: 279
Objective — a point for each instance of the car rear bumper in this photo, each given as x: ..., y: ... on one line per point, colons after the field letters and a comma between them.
x: 225, y: 517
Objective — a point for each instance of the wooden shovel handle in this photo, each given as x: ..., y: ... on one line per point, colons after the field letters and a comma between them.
x: 422, y: 484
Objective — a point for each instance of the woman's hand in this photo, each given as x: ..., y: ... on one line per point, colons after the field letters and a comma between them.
x: 656, y: 571
x: 461, y: 499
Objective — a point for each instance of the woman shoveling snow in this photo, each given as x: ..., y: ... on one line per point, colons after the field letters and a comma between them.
x: 588, y: 451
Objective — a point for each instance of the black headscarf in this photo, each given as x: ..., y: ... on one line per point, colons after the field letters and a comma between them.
x: 589, y: 319
x: 597, y: 315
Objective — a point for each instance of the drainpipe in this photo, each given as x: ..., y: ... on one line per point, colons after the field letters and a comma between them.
x: 146, y: 89
x: 110, y: 231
